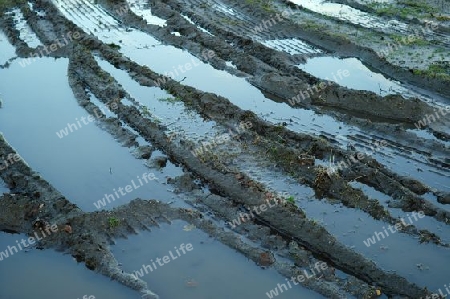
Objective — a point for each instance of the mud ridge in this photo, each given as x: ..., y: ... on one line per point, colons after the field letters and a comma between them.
x: 266, y: 65
x: 280, y: 219
x: 213, y: 107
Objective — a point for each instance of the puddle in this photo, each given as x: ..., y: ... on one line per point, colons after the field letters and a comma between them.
x: 427, y: 135
x: 209, y: 270
x: 400, y: 158
x: 108, y: 113
x: 92, y: 163
x: 3, y: 187
x: 161, y: 105
x: 49, y: 274
x: 433, y: 198
x: 350, y: 14
x: 170, y: 170
x: 291, y: 46
x: 298, y: 120
x: 413, y: 165
x: 428, y: 223
x: 359, y: 76
x: 26, y: 33
x: 84, y: 13
x: 91, y: 158
x: 242, y: 93
x: 142, y: 9
x: 397, y: 252
x: 7, y: 51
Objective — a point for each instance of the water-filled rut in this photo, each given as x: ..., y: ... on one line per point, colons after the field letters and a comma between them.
x: 203, y: 112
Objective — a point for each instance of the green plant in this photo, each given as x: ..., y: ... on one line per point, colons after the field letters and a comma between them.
x: 204, y: 5
x: 113, y: 222
x: 114, y: 46
x: 290, y: 199
x: 308, y: 24
x: 403, y: 8
x: 145, y: 111
x: 435, y: 70
x: 267, y: 5
x: 413, y: 40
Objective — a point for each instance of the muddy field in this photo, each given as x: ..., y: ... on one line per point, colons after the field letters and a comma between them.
x: 224, y: 149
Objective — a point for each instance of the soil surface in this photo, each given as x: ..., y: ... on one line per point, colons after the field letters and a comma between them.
x: 283, y: 236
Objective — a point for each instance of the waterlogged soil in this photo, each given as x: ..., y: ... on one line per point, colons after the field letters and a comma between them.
x: 227, y: 189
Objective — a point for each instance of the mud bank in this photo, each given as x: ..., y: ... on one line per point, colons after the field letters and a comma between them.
x: 301, y: 230
x: 283, y: 237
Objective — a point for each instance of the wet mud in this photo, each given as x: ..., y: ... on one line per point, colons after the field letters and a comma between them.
x: 283, y: 237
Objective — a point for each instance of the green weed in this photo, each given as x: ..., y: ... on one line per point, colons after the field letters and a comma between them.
x: 113, y: 222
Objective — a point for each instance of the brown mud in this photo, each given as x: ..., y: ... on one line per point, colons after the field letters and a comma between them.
x: 282, y: 231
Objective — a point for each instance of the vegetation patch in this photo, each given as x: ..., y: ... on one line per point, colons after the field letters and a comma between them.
x: 264, y: 4
x: 7, y: 4
x: 439, y: 69
x: 113, y: 222
x: 404, y: 8
x: 413, y: 40
x: 114, y: 46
